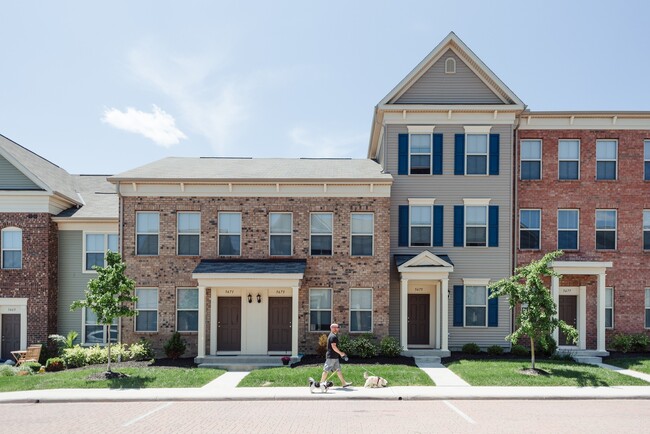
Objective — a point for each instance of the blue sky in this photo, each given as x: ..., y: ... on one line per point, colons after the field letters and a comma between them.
x: 103, y: 87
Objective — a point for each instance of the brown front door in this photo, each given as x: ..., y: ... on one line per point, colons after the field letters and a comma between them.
x: 10, y: 335
x: 279, y: 324
x: 567, y: 312
x: 229, y: 324
x: 418, y: 319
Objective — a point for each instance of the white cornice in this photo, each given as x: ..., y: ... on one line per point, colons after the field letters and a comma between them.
x: 585, y: 121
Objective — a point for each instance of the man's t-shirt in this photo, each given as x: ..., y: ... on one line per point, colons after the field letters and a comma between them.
x: 332, y: 339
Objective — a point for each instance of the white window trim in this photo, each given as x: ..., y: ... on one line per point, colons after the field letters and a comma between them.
x: 465, y: 306
x: 559, y: 160
x: 577, y: 230
x: 487, y: 152
x: 178, y: 233
x: 539, y: 229
x: 85, y: 250
x: 606, y: 160
x: 83, y: 330
x: 476, y: 202
x: 611, y: 307
x: 643, y: 229
x: 320, y: 310
x: 219, y: 233
x: 372, y: 234
x: 185, y: 310
x: 646, y: 307
x: 521, y: 158
x: 615, y: 230
x: 372, y: 306
x: 421, y: 201
x: 290, y: 233
x: 450, y: 69
x: 312, y: 234
x: 430, y: 206
x: 2, y: 249
x: 477, y: 129
x: 157, y: 310
x: 146, y: 233
x: 476, y: 282
x: 430, y: 154
x: 487, y: 225
x: 420, y: 129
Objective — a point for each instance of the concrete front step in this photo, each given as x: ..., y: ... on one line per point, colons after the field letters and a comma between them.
x: 588, y: 360
x: 426, y: 353
x: 419, y: 360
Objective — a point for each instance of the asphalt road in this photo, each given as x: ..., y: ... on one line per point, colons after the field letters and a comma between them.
x: 349, y: 416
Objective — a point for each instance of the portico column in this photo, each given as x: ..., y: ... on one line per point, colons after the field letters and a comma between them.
x: 403, y: 329
x: 600, y: 314
x: 555, y: 293
x: 444, y: 317
x: 294, y: 321
x: 201, y: 334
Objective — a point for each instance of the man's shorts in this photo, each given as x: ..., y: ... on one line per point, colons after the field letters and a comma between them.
x: 332, y: 365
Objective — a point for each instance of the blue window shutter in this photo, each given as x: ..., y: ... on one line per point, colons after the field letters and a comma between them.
x: 493, y: 223
x: 494, y: 154
x: 459, y: 291
x: 403, y: 154
x: 493, y: 311
x: 403, y: 225
x: 459, y: 225
x: 459, y: 154
x: 438, y: 217
x: 437, y: 154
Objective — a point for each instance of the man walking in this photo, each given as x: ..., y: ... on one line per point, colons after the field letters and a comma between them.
x: 333, y: 355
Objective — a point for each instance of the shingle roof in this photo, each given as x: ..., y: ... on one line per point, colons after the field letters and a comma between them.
x: 99, y: 197
x: 254, y: 169
x: 268, y: 266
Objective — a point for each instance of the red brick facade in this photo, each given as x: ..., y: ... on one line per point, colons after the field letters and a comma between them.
x: 629, y: 194
x: 339, y: 272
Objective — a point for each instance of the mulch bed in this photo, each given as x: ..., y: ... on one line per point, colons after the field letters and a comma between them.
x: 311, y: 360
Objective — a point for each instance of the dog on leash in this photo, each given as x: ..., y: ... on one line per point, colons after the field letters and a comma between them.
x: 322, y: 386
x: 374, y: 381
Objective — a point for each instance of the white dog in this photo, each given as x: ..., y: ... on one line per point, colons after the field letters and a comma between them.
x: 374, y: 381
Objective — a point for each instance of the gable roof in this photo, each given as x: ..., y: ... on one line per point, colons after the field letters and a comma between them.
x: 100, y: 200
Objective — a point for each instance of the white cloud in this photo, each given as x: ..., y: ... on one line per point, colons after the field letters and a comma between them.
x: 315, y: 144
x: 158, y: 125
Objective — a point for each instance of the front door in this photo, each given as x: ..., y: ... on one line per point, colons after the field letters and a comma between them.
x: 10, y: 335
x: 229, y: 324
x: 279, y: 324
x: 567, y: 312
x: 418, y: 319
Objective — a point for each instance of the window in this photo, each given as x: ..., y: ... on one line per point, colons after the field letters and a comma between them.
x: 605, y: 229
x: 12, y: 248
x: 609, y: 308
x: 647, y: 308
x: 189, y: 233
x: 280, y: 228
x: 96, y: 246
x: 187, y: 309
x: 450, y: 65
x: 320, y: 309
x: 229, y: 233
x: 646, y: 160
x: 95, y: 333
x: 475, y: 306
x: 569, y: 159
x: 606, y: 159
x: 476, y: 154
x: 362, y: 233
x: 147, y: 227
x: 360, y: 310
x: 567, y: 229
x: 321, y: 234
x: 421, y: 225
x: 646, y: 229
x: 531, y: 159
x: 420, y: 157
x: 529, y: 229
x: 147, y: 307
x: 476, y: 225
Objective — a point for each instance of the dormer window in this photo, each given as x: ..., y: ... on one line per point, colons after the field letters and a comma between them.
x: 450, y: 66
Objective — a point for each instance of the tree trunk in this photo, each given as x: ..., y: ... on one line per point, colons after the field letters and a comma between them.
x: 109, y: 347
x: 532, y: 352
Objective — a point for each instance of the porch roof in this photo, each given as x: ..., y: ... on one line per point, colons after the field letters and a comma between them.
x: 246, y: 266
x: 402, y: 259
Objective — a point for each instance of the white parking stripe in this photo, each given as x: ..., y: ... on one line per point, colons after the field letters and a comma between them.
x: 463, y: 415
x: 137, y: 419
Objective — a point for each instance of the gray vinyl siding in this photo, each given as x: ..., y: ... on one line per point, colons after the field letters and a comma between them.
x: 72, y: 282
x: 449, y: 190
x: 437, y: 87
x: 13, y: 179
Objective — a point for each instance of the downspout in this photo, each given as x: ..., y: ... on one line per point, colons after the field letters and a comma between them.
x: 120, y: 243
x: 515, y: 201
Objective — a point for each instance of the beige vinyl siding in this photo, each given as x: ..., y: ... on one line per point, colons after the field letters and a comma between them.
x: 72, y: 282
x: 437, y: 87
x: 13, y: 179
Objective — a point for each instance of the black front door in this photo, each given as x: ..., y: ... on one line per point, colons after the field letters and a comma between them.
x: 229, y: 324
x: 418, y: 319
x: 279, y: 324
x: 10, y: 334
x: 567, y: 312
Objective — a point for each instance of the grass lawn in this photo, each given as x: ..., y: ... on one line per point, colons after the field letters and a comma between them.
x: 640, y: 364
x: 139, y: 378
x: 562, y: 373
x: 397, y: 375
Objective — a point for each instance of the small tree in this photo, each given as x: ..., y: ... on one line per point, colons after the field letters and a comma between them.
x: 109, y: 295
x: 538, y: 318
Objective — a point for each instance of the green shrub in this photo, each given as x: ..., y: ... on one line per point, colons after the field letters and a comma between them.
x: 95, y: 355
x: 74, y: 357
x: 364, y: 347
x: 24, y: 370
x: 390, y: 347
x: 345, y: 344
x: 622, y: 342
x: 519, y: 351
x: 7, y: 371
x: 141, y: 350
x: 546, y: 346
x: 321, y: 349
x: 119, y: 353
x: 34, y: 366
x: 54, y: 364
x: 495, y: 350
x: 471, y: 348
x: 640, y: 342
x: 175, y: 346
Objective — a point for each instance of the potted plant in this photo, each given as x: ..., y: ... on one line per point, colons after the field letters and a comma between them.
x: 285, y: 360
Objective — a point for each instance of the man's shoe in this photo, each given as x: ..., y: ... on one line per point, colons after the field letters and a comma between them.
x: 349, y: 383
